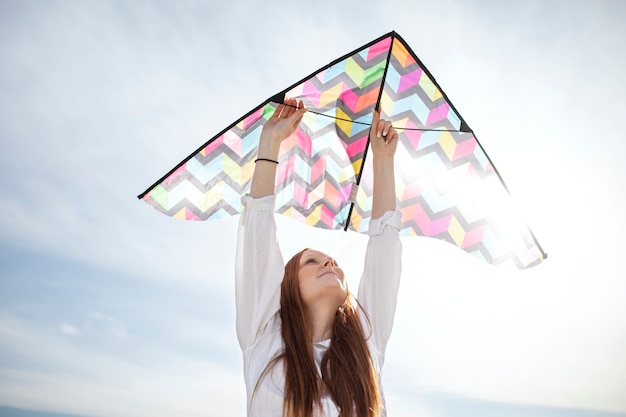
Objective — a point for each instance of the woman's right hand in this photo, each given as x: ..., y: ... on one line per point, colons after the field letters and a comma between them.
x: 279, y: 127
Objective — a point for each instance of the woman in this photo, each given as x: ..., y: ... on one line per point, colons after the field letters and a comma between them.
x: 309, y: 348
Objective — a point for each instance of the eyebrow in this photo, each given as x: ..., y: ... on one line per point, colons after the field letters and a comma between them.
x: 316, y: 255
x: 309, y: 255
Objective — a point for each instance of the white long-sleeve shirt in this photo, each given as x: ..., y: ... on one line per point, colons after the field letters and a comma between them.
x: 259, y: 272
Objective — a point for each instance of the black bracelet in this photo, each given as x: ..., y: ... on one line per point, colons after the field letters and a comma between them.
x: 265, y: 159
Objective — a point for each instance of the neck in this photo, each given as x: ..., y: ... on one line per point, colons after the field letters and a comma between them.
x: 322, y: 322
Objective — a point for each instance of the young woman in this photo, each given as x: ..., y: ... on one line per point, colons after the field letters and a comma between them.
x: 309, y: 348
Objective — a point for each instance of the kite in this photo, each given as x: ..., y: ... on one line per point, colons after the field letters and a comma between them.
x: 447, y: 186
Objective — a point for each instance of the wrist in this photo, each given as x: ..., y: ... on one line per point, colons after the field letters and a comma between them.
x: 268, y: 149
x: 274, y: 161
x: 382, y: 161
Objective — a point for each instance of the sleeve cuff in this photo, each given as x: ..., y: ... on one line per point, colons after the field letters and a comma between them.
x: 266, y: 203
x: 390, y: 218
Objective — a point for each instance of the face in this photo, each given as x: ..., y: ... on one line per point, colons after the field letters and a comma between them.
x: 321, y: 279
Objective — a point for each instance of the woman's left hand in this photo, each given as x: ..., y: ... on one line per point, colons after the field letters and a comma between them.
x: 383, y: 143
x: 383, y: 137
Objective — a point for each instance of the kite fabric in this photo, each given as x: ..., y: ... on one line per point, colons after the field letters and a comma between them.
x: 446, y: 185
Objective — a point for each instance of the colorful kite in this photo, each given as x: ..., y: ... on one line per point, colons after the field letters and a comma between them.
x: 447, y: 187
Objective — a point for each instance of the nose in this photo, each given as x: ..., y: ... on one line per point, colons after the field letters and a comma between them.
x: 329, y: 262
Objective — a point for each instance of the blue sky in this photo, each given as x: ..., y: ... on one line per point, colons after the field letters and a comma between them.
x: 108, y: 308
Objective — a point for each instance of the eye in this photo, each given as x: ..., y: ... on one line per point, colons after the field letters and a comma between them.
x: 310, y: 260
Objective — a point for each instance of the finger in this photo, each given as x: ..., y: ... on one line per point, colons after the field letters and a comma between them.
x: 392, y: 135
x: 380, y: 130
x: 293, y: 103
x: 298, y: 113
x: 386, y: 127
x: 294, y: 107
x: 301, y: 109
x: 287, y: 108
x: 375, y: 120
x: 278, y: 111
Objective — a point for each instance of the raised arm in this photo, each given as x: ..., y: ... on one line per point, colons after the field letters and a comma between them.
x: 383, y: 143
x: 259, y: 264
x: 378, y: 289
x: 279, y: 127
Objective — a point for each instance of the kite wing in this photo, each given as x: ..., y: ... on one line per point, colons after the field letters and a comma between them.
x: 447, y: 187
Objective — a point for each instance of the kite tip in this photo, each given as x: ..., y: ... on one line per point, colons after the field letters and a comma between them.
x: 278, y: 98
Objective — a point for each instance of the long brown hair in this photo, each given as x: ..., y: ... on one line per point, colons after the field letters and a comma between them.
x: 348, y: 373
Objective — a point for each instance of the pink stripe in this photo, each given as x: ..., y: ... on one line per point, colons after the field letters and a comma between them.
x: 438, y: 113
x: 422, y: 220
x: 252, y: 118
x: 304, y: 141
x: 464, y: 148
x: 356, y: 146
x: 300, y: 195
x: 233, y: 141
x: 350, y: 99
x: 175, y: 174
x: 473, y: 236
x: 311, y: 93
x: 317, y: 169
x: 327, y: 216
x: 379, y: 48
x: 409, y: 80
x: 213, y: 145
x: 345, y: 194
x: 284, y: 170
x: 189, y: 215
x: 428, y: 227
x: 438, y: 226
x: 412, y: 136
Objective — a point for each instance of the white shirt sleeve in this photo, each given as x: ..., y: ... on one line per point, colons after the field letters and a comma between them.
x: 259, y: 269
x: 378, y: 289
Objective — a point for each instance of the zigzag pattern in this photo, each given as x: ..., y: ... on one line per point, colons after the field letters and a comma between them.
x: 446, y: 184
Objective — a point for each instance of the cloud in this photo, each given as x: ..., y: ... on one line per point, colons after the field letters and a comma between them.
x: 110, y: 382
x: 478, y: 331
x: 104, y: 297
x: 67, y: 329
